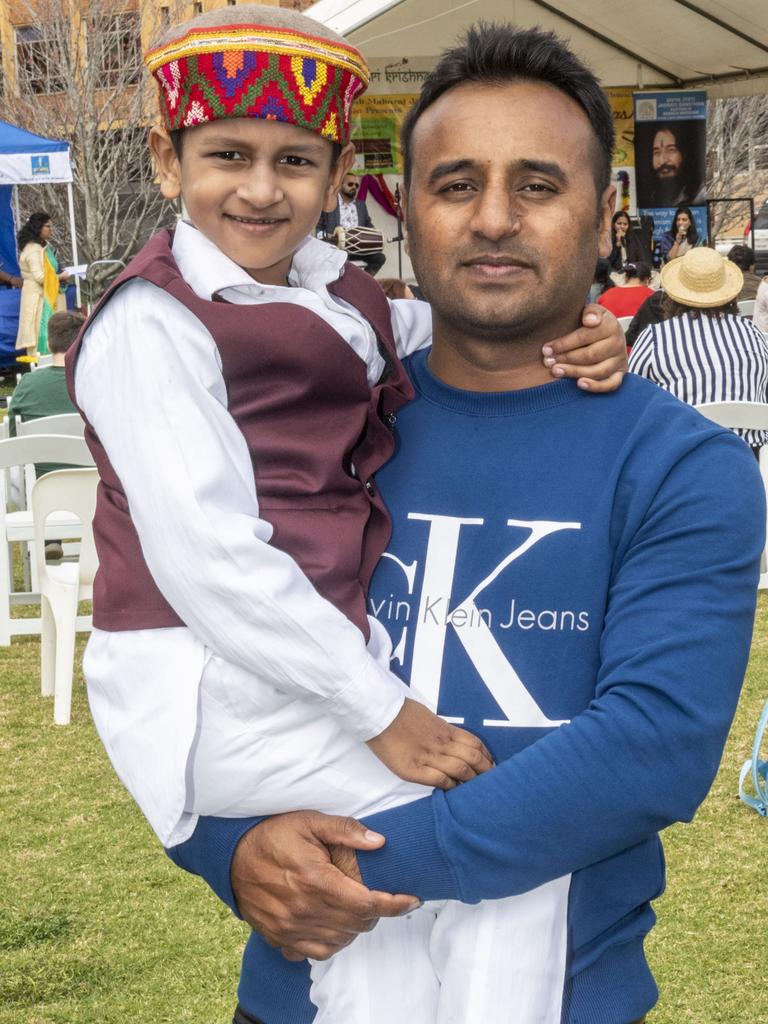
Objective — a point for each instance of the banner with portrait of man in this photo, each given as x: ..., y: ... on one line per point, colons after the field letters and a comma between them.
x: 670, y: 148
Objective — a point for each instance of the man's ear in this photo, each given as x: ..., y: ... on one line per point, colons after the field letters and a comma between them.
x: 607, y: 204
x: 343, y: 163
x: 168, y: 166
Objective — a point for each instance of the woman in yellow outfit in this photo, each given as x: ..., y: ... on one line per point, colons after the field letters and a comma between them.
x: 39, y: 271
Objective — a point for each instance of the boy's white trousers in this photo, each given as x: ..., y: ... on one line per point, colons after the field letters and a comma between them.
x: 259, y: 752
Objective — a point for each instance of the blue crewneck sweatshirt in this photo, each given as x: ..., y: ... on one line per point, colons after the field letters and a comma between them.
x: 572, y: 577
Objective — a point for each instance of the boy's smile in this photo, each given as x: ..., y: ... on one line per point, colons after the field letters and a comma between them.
x: 255, y: 188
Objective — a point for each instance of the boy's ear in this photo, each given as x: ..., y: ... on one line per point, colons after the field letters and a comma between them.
x: 343, y: 163
x: 168, y: 166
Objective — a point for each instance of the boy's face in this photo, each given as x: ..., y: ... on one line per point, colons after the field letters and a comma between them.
x: 255, y: 188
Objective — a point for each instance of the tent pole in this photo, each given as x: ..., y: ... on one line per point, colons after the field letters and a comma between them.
x: 73, y: 237
x: 16, y: 207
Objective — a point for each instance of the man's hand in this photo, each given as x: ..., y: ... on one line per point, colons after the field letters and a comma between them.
x: 419, y: 746
x: 296, y: 882
x: 595, y: 353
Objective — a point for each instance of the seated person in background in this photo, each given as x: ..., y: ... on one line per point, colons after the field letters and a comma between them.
x: 626, y: 244
x: 625, y: 299
x: 351, y: 212
x: 601, y: 281
x: 394, y: 288
x: 703, y: 351
x: 760, y: 314
x: 44, y: 392
x: 744, y: 258
x: 681, y: 237
x: 650, y: 312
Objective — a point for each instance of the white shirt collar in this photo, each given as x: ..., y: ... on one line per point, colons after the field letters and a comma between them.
x: 208, y: 271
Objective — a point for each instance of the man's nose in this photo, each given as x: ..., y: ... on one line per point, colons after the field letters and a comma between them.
x: 497, y: 212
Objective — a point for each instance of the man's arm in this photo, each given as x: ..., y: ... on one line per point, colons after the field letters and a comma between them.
x: 643, y: 755
x: 277, y: 874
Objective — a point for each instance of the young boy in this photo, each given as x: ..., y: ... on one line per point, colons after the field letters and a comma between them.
x: 240, y: 382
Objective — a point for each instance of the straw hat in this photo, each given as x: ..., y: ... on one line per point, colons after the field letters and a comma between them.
x: 702, y: 278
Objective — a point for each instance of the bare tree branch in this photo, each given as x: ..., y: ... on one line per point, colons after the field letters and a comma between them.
x: 737, y: 140
x: 80, y: 78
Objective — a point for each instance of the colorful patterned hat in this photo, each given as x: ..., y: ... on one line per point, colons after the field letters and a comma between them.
x: 240, y: 70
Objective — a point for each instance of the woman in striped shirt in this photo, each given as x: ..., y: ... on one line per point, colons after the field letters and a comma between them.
x: 703, y: 351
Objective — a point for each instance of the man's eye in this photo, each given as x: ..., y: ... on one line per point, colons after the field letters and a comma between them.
x: 536, y: 186
x: 457, y: 186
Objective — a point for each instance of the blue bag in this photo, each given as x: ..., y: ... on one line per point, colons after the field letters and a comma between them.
x: 758, y: 770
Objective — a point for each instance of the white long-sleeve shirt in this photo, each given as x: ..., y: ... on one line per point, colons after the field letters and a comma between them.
x: 149, y: 380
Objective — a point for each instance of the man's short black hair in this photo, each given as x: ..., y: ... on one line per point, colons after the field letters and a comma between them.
x: 63, y: 328
x: 743, y: 256
x: 498, y: 54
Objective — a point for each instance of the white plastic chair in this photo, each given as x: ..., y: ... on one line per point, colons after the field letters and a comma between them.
x: 69, y: 424
x: 64, y: 585
x: 746, y: 307
x: 66, y: 424
x: 744, y: 416
x: 17, y: 526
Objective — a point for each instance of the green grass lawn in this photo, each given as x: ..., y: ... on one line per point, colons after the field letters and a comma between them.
x: 98, y: 927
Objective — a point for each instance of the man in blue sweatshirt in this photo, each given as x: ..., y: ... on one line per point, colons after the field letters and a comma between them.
x: 573, y: 580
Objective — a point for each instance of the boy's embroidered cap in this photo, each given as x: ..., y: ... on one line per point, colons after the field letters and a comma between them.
x: 265, y: 71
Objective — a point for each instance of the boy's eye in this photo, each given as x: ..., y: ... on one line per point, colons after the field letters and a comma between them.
x: 229, y: 154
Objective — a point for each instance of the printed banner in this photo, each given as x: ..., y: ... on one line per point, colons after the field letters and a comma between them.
x: 376, y: 122
x: 670, y: 148
x: 35, y: 168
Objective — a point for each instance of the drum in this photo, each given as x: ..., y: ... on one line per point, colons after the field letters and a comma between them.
x: 359, y: 241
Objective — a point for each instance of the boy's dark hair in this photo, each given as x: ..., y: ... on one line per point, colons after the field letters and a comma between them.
x: 743, y: 256
x: 63, y: 328
x: 497, y: 54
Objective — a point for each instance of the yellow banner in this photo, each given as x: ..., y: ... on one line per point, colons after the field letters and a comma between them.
x: 376, y: 122
x: 622, y: 106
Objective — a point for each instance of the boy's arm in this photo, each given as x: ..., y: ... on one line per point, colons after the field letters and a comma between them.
x: 148, y: 380
x: 595, y: 353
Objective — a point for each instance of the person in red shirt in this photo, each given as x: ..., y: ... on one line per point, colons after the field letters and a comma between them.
x: 625, y: 299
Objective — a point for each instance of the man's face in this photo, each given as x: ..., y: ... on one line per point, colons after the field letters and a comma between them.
x: 667, y: 158
x: 502, y: 211
x: 254, y: 188
x: 349, y: 186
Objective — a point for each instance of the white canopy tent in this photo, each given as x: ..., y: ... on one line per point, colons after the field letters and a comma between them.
x: 719, y: 45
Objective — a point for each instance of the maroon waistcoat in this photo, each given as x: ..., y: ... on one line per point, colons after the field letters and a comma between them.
x: 315, y: 429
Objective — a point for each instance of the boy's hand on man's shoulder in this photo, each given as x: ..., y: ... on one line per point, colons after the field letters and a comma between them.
x: 595, y: 353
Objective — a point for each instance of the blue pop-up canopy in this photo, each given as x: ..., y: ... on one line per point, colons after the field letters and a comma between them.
x: 25, y: 159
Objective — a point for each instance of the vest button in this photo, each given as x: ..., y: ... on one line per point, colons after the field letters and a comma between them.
x: 370, y: 488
